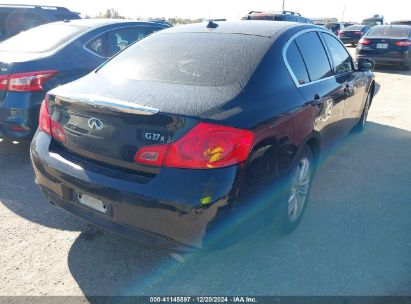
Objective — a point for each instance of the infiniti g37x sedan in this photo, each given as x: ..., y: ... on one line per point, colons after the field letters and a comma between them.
x: 166, y: 140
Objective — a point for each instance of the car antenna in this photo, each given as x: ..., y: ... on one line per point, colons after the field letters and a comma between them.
x: 212, y: 24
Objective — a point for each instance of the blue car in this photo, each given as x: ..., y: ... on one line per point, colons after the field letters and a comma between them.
x: 42, y: 58
x: 15, y: 18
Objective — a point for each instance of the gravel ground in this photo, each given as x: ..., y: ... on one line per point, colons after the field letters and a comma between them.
x: 355, y: 238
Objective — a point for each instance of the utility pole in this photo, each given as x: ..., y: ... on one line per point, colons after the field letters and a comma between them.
x: 283, y: 5
x: 343, y: 15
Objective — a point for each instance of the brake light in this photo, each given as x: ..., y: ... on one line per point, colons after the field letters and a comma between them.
x: 45, y: 120
x: 205, y: 146
x: 340, y: 33
x: 3, y: 82
x: 364, y: 41
x: 27, y: 82
x: 48, y: 125
x: 403, y: 43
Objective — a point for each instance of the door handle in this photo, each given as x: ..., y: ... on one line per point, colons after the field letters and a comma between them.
x: 317, y: 100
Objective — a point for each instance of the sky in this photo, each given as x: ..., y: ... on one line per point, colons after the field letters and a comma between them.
x: 355, y: 10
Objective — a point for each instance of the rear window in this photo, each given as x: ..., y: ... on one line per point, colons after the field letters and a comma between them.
x: 265, y: 17
x: 405, y: 22
x: 354, y: 28
x: 332, y: 26
x: 41, y: 39
x: 389, y: 32
x: 190, y: 58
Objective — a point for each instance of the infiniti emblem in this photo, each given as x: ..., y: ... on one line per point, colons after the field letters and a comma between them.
x: 95, y: 124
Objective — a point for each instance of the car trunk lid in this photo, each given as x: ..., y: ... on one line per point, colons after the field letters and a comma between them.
x: 110, y: 132
x: 383, y: 45
x: 350, y: 34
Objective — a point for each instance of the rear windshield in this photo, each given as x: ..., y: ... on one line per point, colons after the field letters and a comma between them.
x: 406, y: 22
x: 264, y: 17
x: 41, y: 39
x: 332, y: 26
x: 389, y: 32
x: 354, y: 28
x: 190, y: 58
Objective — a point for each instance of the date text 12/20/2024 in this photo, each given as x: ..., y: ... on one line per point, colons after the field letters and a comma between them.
x: 203, y: 299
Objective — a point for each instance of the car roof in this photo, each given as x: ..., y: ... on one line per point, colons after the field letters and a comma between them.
x: 34, y: 6
x: 404, y: 26
x: 102, y: 22
x: 252, y: 27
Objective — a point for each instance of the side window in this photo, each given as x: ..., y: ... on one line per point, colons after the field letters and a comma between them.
x: 296, y: 63
x: 18, y: 22
x: 340, y: 57
x: 97, y: 45
x: 314, y: 56
x: 121, y: 38
x: 30, y: 21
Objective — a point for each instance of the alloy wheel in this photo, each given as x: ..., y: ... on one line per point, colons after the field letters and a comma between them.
x: 300, y: 187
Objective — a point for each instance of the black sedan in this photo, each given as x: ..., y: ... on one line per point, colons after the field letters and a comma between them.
x: 387, y: 45
x: 169, y: 147
x: 352, y: 34
x: 42, y: 58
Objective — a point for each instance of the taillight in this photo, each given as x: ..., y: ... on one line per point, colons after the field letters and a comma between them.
x: 364, y: 41
x: 403, y: 43
x: 4, y: 79
x: 28, y: 82
x: 205, y: 146
x: 48, y: 125
x: 45, y: 120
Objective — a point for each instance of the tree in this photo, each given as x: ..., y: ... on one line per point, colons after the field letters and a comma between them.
x: 110, y: 13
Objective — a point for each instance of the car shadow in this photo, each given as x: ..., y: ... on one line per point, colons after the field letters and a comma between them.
x: 392, y: 70
x: 353, y: 240
x: 20, y: 194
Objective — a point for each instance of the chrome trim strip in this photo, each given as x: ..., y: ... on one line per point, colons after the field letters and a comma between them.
x: 111, y: 103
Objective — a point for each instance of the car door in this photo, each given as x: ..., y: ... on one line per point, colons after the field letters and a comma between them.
x: 318, y: 86
x: 351, y: 82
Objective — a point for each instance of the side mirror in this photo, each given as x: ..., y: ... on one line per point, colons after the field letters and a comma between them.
x: 365, y: 64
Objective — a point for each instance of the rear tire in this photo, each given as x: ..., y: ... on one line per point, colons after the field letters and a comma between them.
x: 360, y: 126
x: 292, y: 207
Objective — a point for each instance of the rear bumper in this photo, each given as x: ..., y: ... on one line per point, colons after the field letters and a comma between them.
x: 386, y: 59
x: 175, y: 210
x: 348, y: 40
x: 19, y: 114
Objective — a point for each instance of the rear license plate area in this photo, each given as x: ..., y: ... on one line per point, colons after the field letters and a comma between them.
x: 93, y: 203
x: 382, y: 45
